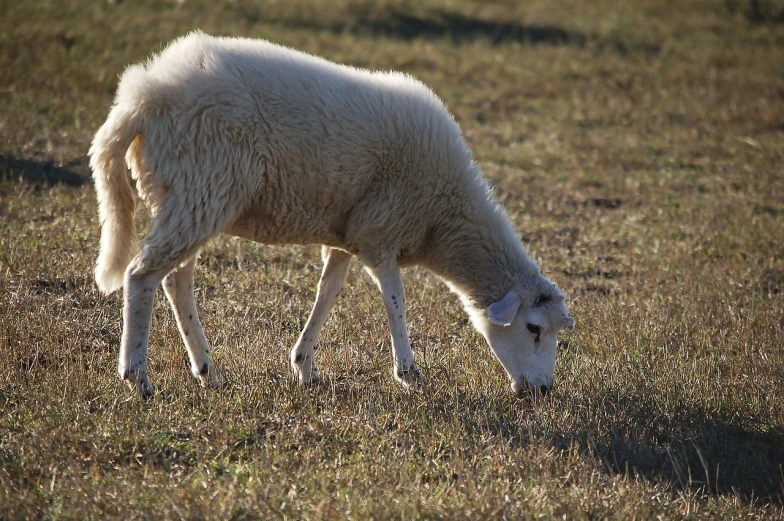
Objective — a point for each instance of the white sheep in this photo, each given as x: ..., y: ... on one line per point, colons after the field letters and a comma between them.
x: 256, y: 140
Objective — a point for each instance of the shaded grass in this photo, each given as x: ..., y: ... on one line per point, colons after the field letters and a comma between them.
x: 641, y: 158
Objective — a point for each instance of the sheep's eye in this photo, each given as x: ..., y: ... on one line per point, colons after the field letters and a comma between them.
x: 535, y: 330
x: 541, y: 299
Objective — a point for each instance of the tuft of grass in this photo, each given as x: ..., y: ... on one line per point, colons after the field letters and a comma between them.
x: 637, y: 147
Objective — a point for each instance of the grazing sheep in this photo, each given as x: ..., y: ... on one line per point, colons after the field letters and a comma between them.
x: 259, y: 141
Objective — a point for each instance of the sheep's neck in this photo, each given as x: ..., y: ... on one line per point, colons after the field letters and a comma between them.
x: 479, y: 255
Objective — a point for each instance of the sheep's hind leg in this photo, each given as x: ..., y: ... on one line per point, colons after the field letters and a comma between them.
x: 333, y: 277
x: 163, y: 250
x: 405, y: 370
x: 139, y: 290
x: 178, y: 286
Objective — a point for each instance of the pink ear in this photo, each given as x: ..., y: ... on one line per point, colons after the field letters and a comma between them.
x: 504, y: 311
x: 568, y: 322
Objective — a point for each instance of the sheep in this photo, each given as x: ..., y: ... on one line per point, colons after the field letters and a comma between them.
x: 255, y: 140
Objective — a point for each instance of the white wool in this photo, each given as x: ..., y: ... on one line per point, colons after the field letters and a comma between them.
x: 256, y: 140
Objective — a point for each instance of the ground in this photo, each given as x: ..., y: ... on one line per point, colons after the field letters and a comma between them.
x: 639, y: 148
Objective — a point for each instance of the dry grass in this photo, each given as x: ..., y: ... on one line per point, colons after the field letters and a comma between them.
x: 639, y: 147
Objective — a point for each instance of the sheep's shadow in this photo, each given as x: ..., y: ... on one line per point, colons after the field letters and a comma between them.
x: 690, y: 450
x: 442, y: 24
x: 43, y: 172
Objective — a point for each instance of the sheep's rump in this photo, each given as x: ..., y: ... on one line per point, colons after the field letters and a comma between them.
x: 279, y: 146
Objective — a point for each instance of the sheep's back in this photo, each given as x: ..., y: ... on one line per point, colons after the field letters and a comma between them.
x: 292, y: 137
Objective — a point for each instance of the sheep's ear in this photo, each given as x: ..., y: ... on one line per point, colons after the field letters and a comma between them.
x: 568, y: 322
x: 504, y: 311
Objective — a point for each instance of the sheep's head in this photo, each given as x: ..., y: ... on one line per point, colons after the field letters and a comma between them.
x: 522, y: 330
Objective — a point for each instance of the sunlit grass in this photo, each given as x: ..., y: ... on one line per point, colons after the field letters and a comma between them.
x: 638, y: 148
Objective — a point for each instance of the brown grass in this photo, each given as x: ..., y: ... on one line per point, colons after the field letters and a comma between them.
x: 639, y: 147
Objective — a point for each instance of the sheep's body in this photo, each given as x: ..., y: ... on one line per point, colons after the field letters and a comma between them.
x: 252, y: 139
x: 234, y: 121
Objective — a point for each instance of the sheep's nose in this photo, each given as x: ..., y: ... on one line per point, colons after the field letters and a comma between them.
x: 526, y: 388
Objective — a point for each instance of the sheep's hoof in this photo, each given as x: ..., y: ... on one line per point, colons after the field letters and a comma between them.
x: 314, y: 381
x: 211, y: 377
x: 411, y: 377
x: 306, y: 372
x: 138, y: 381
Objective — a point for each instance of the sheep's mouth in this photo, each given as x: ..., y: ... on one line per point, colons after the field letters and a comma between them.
x: 524, y: 388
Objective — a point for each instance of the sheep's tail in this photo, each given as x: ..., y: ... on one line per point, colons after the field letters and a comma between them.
x: 115, y: 198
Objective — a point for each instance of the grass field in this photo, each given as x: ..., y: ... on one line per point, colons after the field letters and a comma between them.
x: 639, y: 148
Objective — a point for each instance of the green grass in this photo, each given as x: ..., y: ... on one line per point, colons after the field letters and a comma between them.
x: 638, y: 146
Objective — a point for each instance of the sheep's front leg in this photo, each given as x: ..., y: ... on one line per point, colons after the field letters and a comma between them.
x: 139, y: 292
x: 387, y: 276
x: 333, y: 277
x: 178, y: 286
